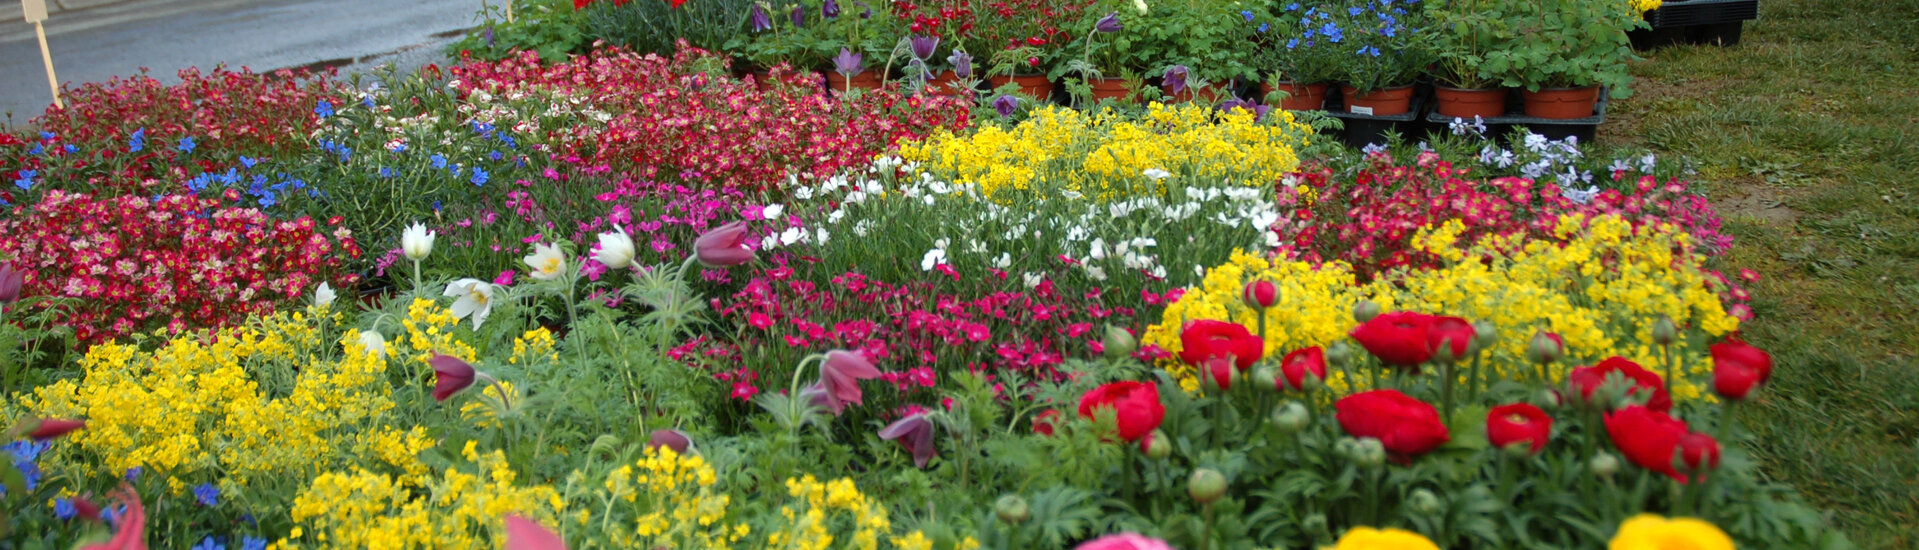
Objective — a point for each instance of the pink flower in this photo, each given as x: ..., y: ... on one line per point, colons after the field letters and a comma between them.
x: 914, y: 432
x: 723, y: 247
x: 524, y: 534
x: 505, y: 278
x: 1124, y: 541
x: 840, y: 374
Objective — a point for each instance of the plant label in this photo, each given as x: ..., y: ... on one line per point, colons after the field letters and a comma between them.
x: 1357, y: 110
x: 36, y: 10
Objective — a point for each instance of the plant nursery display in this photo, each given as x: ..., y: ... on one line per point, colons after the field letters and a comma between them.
x: 677, y: 289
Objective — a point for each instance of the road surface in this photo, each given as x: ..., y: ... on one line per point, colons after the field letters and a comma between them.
x: 96, y: 43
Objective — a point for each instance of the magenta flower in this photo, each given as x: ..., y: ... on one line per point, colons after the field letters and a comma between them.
x: 671, y: 439
x: 524, y: 534
x: 10, y: 281
x: 840, y: 376
x: 723, y: 247
x: 451, y: 376
x: 915, y: 432
x: 1125, y: 541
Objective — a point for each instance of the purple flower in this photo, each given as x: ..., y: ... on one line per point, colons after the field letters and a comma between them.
x: 962, y: 63
x: 1175, y: 79
x: 1110, y: 23
x: 761, y: 23
x: 915, y: 432
x: 866, y: 11
x: 1005, y: 105
x: 839, y: 383
x: 1258, y: 111
x: 847, y: 62
x: 799, y: 16
x: 923, y: 46
x: 830, y: 10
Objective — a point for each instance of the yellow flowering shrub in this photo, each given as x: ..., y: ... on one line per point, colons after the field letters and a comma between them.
x: 664, y: 499
x: 1105, y: 154
x: 1600, y: 284
x: 244, y: 404
x: 454, y: 510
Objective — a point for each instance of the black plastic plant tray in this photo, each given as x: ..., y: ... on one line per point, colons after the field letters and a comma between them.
x: 1691, y: 13
x: 1501, y: 126
x: 1362, y: 130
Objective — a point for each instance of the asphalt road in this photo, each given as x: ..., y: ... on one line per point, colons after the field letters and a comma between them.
x: 165, y: 36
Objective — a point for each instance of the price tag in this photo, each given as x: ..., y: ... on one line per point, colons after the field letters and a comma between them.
x: 1362, y: 110
x: 36, y: 10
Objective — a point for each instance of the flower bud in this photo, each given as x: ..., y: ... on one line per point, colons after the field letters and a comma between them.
x: 1339, y: 352
x: 1155, y: 445
x: 1206, y: 485
x: 1119, y: 342
x: 1518, y: 450
x: 1267, y: 378
x: 1604, y: 465
x: 1260, y: 294
x: 1423, y: 502
x: 1371, y: 452
x: 1546, y: 399
x: 1315, y: 523
x: 1545, y: 348
x: 1484, y: 334
x: 1011, y: 509
x: 1347, y: 448
x: 1365, y: 311
x: 1664, y: 332
x: 1291, y: 417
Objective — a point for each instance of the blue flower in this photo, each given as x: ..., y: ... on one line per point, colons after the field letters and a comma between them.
x: 37, y: 150
x: 207, y: 494
x: 324, y: 109
x: 1332, y: 32
x: 26, y: 179
x: 253, y: 543
x: 231, y: 177
x: 186, y: 144
x: 482, y: 128
x: 386, y: 172
x: 138, y: 141
x: 248, y: 162
x: 69, y: 148
x: 48, y: 136
x: 436, y: 206
x: 209, y: 544
x: 508, y: 140
x: 439, y: 161
x: 1263, y: 26
x: 494, y: 155
x: 1248, y: 14
x: 1389, y: 31
x: 368, y: 102
x: 133, y: 474
x: 479, y: 176
x: 1293, y: 6
x: 63, y: 509
x: 1291, y: 44
x: 1354, y: 11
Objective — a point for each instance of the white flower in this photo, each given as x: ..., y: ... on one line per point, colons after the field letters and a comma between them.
x: 1032, y: 279
x: 932, y: 258
x: 1140, y: 5
x: 836, y: 216
x: 1072, y: 195
x: 803, y: 193
x: 820, y: 236
x: 1098, y: 273
x: 1099, y: 248
x: 616, y: 249
x: 1004, y: 261
x: 546, y: 261
x: 417, y: 242
x: 772, y: 211
x: 374, y: 343
x: 323, y: 296
x: 1155, y: 174
x: 475, y: 298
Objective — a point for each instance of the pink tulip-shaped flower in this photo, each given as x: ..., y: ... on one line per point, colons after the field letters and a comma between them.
x: 451, y: 376
x: 524, y: 534
x: 10, y: 281
x: 840, y: 376
x: 671, y: 439
x: 132, y: 534
x: 915, y: 432
x: 723, y: 247
x: 55, y: 427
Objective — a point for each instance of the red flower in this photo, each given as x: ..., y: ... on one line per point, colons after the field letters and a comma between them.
x: 1737, y: 368
x: 1046, y: 421
x: 1220, y: 369
x: 451, y: 376
x: 1407, y: 427
x: 55, y: 427
x: 1450, y: 330
x: 1699, y: 451
x: 1588, y: 379
x: 1648, y: 438
x: 1296, y: 365
x: 132, y: 525
x: 1398, y: 338
x: 1519, y: 423
x: 671, y: 439
x: 1208, y: 338
x: 1260, y: 294
x: 1135, y: 404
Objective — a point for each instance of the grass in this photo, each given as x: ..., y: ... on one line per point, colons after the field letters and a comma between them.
x: 1806, y: 135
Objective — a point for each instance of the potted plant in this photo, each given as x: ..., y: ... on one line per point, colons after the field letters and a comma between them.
x: 1102, y: 68
x: 1200, y: 50
x: 854, y: 39
x: 1466, y: 33
x: 1296, y: 60
x: 779, y: 34
x: 1026, y: 40
x: 1384, y: 47
x: 656, y: 27
x: 1571, y: 49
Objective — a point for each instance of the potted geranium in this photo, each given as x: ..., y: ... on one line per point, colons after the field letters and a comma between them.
x: 1294, y: 57
x: 1466, y: 33
x: 1570, y: 49
x: 1385, y: 48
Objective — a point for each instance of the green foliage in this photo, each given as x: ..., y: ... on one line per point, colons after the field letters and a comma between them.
x: 550, y: 27
x: 1563, y: 43
x: 655, y: 26
x: 1467, y: 33
x: 1206, y: 36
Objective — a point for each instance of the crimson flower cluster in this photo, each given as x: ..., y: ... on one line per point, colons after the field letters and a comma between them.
x: 678, y: 118
x: 178, y: 262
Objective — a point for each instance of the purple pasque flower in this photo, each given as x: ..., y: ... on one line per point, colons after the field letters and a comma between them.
x: 799, y: 16
x: 962, y: 63
x: 1110, y: 23
x: 923, y: 46
x: 915, y: 432
x: 830, y: 10
x: 847, y: 62
x: 760, y: 22
x: 1005, y: 105
x: 1258, y: 111
x: 840, y: 374
x: 1175, y: 79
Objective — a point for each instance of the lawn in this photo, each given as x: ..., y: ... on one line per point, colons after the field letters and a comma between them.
x: 1804, y: 135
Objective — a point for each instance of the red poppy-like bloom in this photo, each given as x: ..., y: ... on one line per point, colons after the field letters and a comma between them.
x: 1407, y: 427
x: 1738, y: 368
x: 1645, y: 383
x: 1135, y: 404
x: 1519, y: 423
x: 1296, y: 365
x: 1207, y: 338
x: 1398, y: 338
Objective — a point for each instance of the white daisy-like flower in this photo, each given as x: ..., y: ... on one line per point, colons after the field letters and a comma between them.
x: 475, y: 299
x: 547, y: 262
x: 932, y: 258
x: 772, y: 211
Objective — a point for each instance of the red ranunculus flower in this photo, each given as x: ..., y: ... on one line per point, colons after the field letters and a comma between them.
x: 1296, y: 365
x: 1647, y: 437
x: 1519, y: 423
x: 1737, y: 368
x: 1136, y: 403
x: 1044, y: 422
x: 1407, y: 427
x: 1588, y: 379
x: 1208, y: 338
x: 1700, y: 452
x: 1397, y: 338
x: 1260, y: 294
x: 1453, y: 331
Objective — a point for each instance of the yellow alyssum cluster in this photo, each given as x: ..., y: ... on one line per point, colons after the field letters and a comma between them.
x: 819, y: 507
x: 429, y: 330
x: 1643, y: 6
x: 1598, y: 282
x: 1106, y: 155
x: 534, y: 346
x: 665, y: 499
x: 457, y: 509
x: 241, y: 404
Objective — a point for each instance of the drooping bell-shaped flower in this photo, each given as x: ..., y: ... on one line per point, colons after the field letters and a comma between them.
x: 671, y: 439
x: 1175, y: 79
x: 962, y: 63
x: 451, y: 375
x: 616, y: 249
x: 759, y: 20
x: 1110, y: 23
x: 10, y: 282
x: 840, y: 374
x: 417, y: 242
x: 923, y: 46
x: 830, y: 10
x: 1005, y: 105
x: 915, y: 432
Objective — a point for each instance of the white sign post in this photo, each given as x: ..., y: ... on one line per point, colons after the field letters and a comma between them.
x: 36, y: 12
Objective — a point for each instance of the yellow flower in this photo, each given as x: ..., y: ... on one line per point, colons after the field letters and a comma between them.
x: 1367, y: 538
x: 1651, y: 532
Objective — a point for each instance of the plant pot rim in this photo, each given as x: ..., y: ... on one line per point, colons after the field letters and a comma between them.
x: 1298, y: 83
x: 1561, y: 89
x: 1387, y: 88
x: 1457, y: 89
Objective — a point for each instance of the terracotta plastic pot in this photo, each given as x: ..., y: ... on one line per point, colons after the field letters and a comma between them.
x: 1561, y: 103
x: 864, y: 80
x: 1471, y: 102
x: 946, y: 83
x: 1387, y: 102
x: 1035, y: 85
x: 1299, y: 97
x: 1109, y: 88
